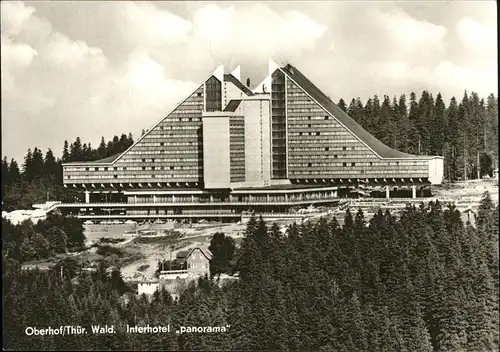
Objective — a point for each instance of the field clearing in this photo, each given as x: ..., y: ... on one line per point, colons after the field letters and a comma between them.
x: 467, y: 191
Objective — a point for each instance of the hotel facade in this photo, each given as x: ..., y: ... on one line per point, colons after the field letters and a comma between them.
x: 227, y: 149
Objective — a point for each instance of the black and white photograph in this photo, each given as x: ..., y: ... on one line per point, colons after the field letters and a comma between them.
x: 250, y: 176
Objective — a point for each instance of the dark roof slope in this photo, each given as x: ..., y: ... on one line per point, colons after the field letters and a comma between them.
x: 380, y: 148
x: 237, y: 83
x: 232, y: 105
x: 183, y: 255
x: 107, y: 160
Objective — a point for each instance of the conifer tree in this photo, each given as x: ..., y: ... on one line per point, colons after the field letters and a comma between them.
x: 342, y: 105
x: 438, y: 127
x: 452, y: 141
x: 65, y: 155
x: 5, y: 172
x: 14, y: 173
x: 50, y: 166
x: 414, y: 132
x: 28, y: 172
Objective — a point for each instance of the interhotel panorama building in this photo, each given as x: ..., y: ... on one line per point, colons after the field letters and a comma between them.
x: 227, y: 150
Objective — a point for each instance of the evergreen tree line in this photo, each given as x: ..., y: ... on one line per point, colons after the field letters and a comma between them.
x: 41, y: 177
x: 78, y: 152
x: 54, y: 235
x: 465, y: 132
x: 421, y: 282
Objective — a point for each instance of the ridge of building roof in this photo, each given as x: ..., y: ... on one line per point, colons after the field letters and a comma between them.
x: 230, y: 78
x: 377, y: 146
x: 232, y: 105
x: 183, y: 255
x: 107, y: 160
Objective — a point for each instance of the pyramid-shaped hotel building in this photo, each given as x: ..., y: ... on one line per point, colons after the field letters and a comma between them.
x: 227, y: 149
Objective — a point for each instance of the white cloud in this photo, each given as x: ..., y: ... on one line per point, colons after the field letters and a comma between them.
x: 14, y: 16
x: 145, y: 79
x: 408, y: 36
x: 256, y: 31
x: 480, y: 38
x: 213, y: 22
x: 16, y: 54
x: 146, y: 25
x: 63, y: 52
x: 303, y: 27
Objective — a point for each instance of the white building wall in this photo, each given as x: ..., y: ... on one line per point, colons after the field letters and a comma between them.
x: 436, y: 170
x: 265, y: 121
x: 216, y: 171
x: 147, y: 288
x: 257, y: 141
x: 230, y: 92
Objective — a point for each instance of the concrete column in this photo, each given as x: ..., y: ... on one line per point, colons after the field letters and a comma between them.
x: 192, y: 198
x: 135, y: 199
x: 173, y: 198
x: 87, y: 197
x: 286, y: 197
x: 230, y: 198
x: 267, y: 196
x: 211, y: 198
x: 414, y: 191
x: 387, y: 192
x: 154, y: 198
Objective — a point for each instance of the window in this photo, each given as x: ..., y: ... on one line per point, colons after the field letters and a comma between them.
x: 326, y: 117
x: 327, y: 149
x: 144, y: 167
x: 143, y: 160
x: 96, y: 169
x: 344, y: 164
x: 309, y: 125
x: 198, y: 94
x: 115, y: 176
x: 162, y: 127
x: 309, y: 117
x: 152, y: 167
x: 124, y: 168
x: 115, y: 168
x: 180, y: 119
x: 69, y: 177
x: 86, y: 169
x: 171, y: 167
x: 162, y: 144
x: 163, y: 168
x: 371, y: 164
x: 344, y: 148
x: 300, y: 133
x: 190, y: 119
x: 317, y: 133
x: 310, y: 133
x: 335, y: 156
x: 153, y: 160
x: 397, y: 163
x: 353, y: 148
x: 309, y: 165
x: 152, y: 176
x: 353, y: 164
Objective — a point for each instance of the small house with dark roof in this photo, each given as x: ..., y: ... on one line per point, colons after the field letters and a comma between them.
x: 196, y: 260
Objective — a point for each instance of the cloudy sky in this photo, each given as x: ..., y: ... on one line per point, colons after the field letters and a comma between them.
x: 98, y: 69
